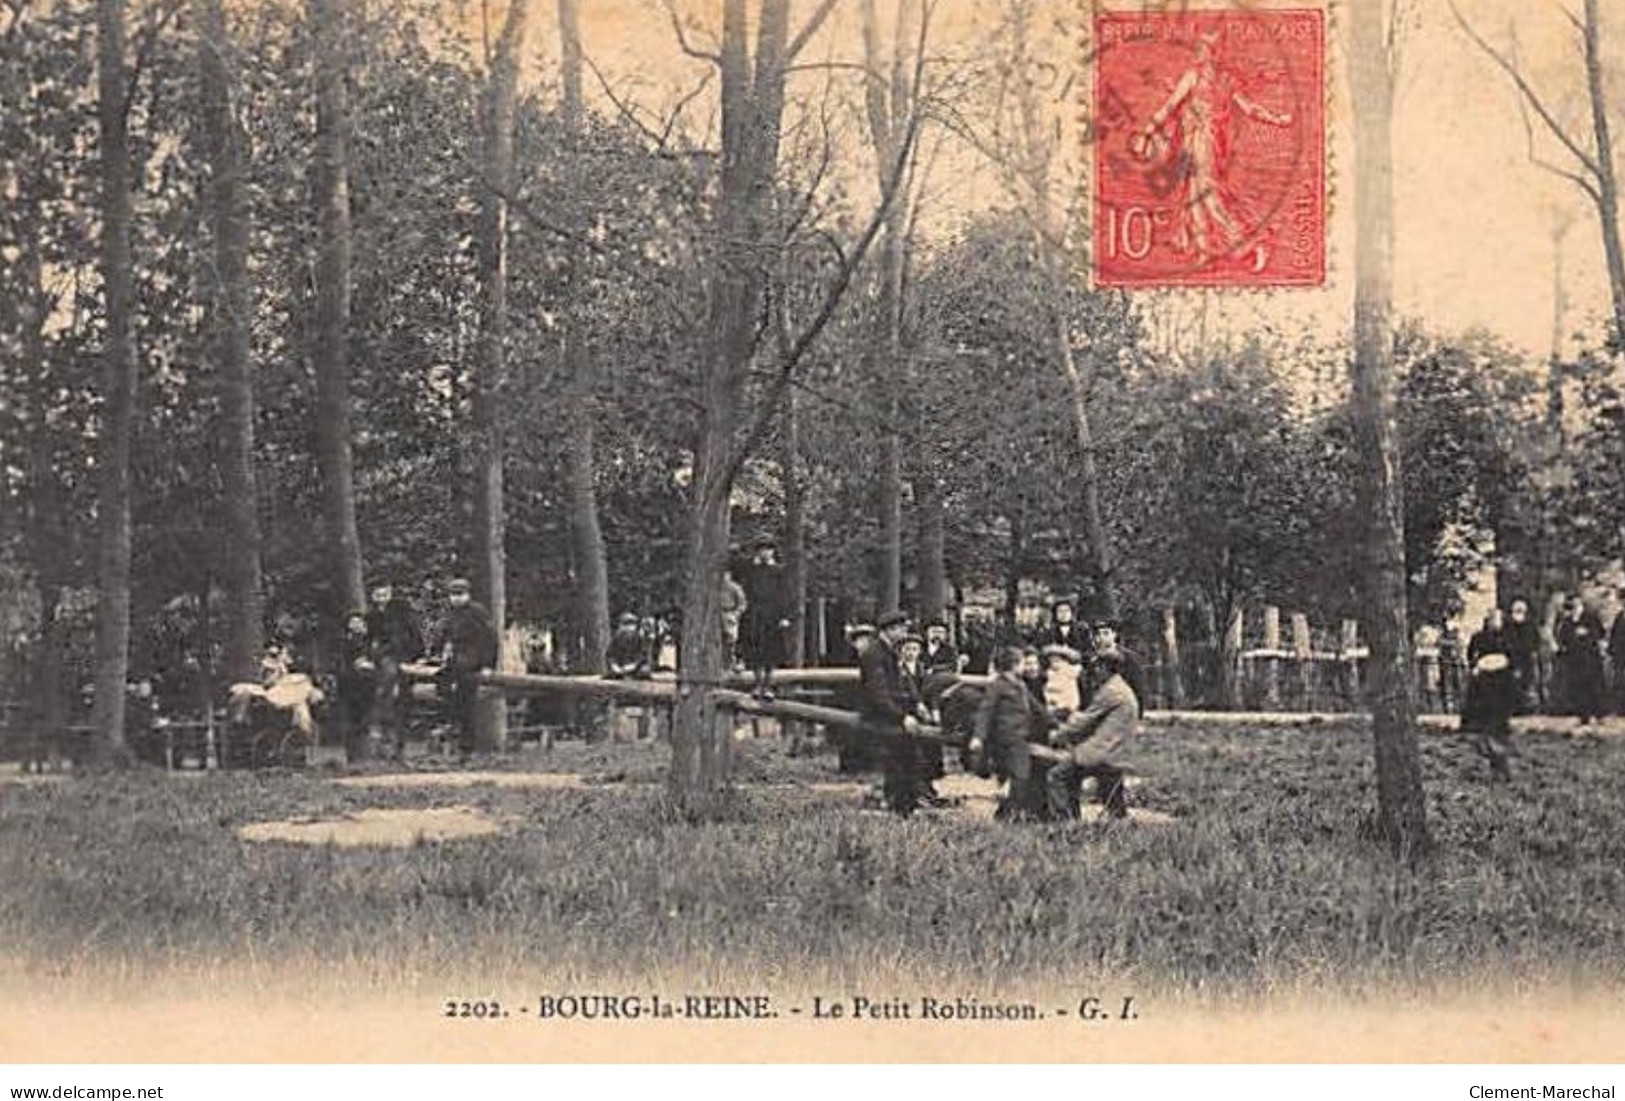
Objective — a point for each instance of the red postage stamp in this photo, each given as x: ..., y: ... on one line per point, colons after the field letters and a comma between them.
x: 1208, y: 141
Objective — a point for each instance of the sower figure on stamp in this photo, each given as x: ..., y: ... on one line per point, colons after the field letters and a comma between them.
x: 1201, y: 102
x: 469, y: 645
x: 1005, y: 720
x: 392, y: 632
x: 1094, y: 738
x: 884, y: 703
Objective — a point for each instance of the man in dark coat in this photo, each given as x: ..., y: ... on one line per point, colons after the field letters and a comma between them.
x: 1005, y: 721
x: 469, y: 645
x: 1579, y: 660
x: 884, y: 703
x: 393, y: 637
x: 762, y: 632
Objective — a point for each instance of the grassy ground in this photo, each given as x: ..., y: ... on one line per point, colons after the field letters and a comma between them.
x: 1263, y: 887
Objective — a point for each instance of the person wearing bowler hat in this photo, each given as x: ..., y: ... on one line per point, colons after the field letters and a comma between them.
x: 884, y: 702
x: 468, y: 646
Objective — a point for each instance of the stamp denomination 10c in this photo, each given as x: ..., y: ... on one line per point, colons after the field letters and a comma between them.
x: 1207, y: 134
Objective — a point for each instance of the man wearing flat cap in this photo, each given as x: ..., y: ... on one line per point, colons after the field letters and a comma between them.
x: 469, y: 645
x: 884, y: 702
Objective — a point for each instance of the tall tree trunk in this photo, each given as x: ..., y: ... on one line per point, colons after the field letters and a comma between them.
x: 1031, y: 159
x: 752, y: 107
x: 47, y: 520
x: 795, y: 531
x: 1012, y: 575
x: 231, y: 307
x: 933, y: 548
x: 1607, y: 192
x: 490, y: 383
x: 888, y: 103
x: 1098, y: 568
x: 329, y: 354
x: 581, y: 463
x: 1401, y: 813
x: 118, y: 388
x: 891, y: 504
x: 888, y: 372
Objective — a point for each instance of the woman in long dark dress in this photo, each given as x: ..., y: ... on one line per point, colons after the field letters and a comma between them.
x: 1492, y: 695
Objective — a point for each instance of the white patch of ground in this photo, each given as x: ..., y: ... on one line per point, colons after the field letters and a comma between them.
x: 546, y: 781
x: 12, y: 772
x: 378, y: 828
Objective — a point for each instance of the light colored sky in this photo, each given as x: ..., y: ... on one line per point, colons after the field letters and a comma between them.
x: 1475, y: 218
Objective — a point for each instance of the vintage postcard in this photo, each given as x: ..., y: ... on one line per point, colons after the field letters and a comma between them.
x: 812, y: 531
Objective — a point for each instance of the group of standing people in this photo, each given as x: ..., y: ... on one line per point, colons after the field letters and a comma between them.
x: 1503, y: 664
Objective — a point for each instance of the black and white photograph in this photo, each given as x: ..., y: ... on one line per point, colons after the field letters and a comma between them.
x: 812, y: 531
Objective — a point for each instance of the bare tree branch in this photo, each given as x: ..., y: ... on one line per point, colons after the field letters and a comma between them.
x: 810, y: 28
x: 1584, y: 184
x: 622, y: 107
x: 682, y: 37
x: 833, y: 296
x: 1527, y: 92
x: 682, y: 105
x: 661, y: 141
x: 145, y: 44
x: 1568, y: 13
